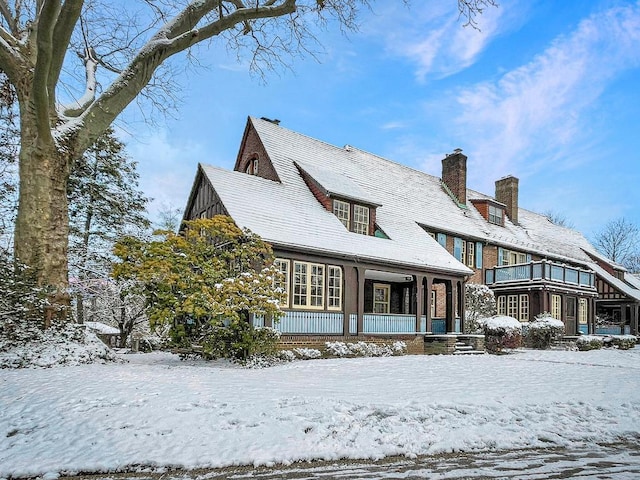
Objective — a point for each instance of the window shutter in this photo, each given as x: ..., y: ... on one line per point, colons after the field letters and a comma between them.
x: 442, y: 239
x: 528, y: 257
x: 500, y: 256
x: 457, y: 248
x: 478, y: 254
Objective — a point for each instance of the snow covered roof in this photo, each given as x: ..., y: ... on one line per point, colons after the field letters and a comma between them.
x: 287, y: 213
x: 629, y: 287
x: 102, y: 328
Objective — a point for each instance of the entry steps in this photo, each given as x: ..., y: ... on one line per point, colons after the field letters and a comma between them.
x: 461, y: 348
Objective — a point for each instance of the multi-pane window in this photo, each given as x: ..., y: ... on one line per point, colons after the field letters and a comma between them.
x: 556, y: 306
x: 308, y: 285
x: 282, y: 282
x: 252, y: 167
x: 496, y: 215
x: 341, y: 210
x: 471, y: 254
x: 502, y: 305
x: 334, y: 288
x: 361, y: 219
x: 512, y: 258
x: 582, y: 310
x: 313, y: 285
x: 512, y: 306
x: 381, y: 298
x: 524, y: 308
x: 516, y: 306
x: 463, y: 251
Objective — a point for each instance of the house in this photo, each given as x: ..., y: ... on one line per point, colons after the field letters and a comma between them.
x: 369, y: 247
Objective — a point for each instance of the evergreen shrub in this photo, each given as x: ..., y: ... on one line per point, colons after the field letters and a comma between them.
x: 502, y: 333
x: 543, y: 331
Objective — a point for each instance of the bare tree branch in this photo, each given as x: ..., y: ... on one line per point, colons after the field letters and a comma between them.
x: 5, y: 11
x: 46, y: 23
x: 67, y: 19
x: 91, y: 65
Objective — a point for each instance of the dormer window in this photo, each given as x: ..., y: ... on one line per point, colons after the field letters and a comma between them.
x: 353, y: 216
x: 361, y: 219
x: 496, y: 215
x: 492, y: 211
x: 341, y: 210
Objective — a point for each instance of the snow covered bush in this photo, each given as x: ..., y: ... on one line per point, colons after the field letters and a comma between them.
x: 543, y: 331
x: 62, y: 344
x: 307, y: 353
x: 479, y: 303
x: 623, y: 342
x: 502, y: 332
x: 589, y: 342
x: 364, y: 349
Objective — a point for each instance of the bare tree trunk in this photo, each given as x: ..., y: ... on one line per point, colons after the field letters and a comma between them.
x: 42, y: 227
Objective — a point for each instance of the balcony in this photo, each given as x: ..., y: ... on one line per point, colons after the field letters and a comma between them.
x: 540, y: 272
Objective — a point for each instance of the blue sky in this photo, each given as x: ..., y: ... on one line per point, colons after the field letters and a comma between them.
x: 547, y: 91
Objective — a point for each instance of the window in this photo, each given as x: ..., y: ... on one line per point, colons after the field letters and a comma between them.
x: 341, y: 210
x: 582, y: 310
x: 524, y: 308
x: 334, y: 285
x: 471, y: 254
x: 308, y: 285
x: 556, y: 306
x: 381, y: 296
x: 361, y: 219
x: 252, y: 167
x: 283, y: 282
x: 496, y: 215
x: 433, y: 303
x: 502, y: 305
x: 508, y: 257
x: 512, y: 306
x: 463, y: 251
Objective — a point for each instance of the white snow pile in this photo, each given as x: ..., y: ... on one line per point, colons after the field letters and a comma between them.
x: 27, y: 346
x: 546, y: 323
x: 157, y: 412
x: 502, y: 324
x: 364, y: 349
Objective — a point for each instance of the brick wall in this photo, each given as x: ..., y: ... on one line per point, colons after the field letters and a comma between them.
x: 454, y: 175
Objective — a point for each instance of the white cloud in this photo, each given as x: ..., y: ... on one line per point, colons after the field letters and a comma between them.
x: 536, y: 114
x: 434, y: 39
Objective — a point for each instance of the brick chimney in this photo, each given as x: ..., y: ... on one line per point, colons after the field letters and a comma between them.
x: 454, y: 174
x: 507, y: 193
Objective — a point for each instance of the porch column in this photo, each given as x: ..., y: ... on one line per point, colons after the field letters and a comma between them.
x: 623, y: 317
x: 361, y: 272
x: 545, y: 301
x: 635, y: 312
x: 268, y: 320
x: 419, y: 300
x: 450, y: 320
x: 592, y: 316
x: 427, y: 292
x: 460, y: 287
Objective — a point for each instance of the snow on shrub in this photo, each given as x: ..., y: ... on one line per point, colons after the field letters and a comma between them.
x: 62, y: 344
x: 623, y: 342
x: 502, y: 332
x: 307, y: 353
x: 364, y: 349
x: 589, y: 342
x: 479, y: 303
x: 543, y: 331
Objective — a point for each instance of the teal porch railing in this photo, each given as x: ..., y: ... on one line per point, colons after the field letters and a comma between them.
x: 540, y: 271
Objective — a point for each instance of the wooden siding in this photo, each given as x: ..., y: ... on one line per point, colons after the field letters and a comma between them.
x: 205, y: 201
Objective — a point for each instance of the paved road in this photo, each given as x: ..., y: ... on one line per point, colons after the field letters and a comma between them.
x: 615, y: 462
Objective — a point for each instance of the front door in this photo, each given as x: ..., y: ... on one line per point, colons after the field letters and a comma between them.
x: 571, y: 315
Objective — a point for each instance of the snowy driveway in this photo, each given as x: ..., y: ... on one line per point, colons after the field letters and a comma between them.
x: 157, y: 411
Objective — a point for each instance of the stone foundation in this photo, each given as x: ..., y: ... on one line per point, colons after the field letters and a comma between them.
x: 415, y: 343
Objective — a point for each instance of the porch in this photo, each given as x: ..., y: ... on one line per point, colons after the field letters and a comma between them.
x: 329, y: 323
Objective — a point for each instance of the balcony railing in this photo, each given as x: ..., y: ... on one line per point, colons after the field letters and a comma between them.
x: 540, y: 271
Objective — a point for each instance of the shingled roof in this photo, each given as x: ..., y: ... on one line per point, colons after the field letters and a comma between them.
x: 286, y: 213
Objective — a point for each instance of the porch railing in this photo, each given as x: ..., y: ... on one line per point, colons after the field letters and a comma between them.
x: 541, y: 270
x: 387, y: 323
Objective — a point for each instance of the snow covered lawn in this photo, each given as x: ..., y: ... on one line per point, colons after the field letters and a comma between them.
x: 159, y: 411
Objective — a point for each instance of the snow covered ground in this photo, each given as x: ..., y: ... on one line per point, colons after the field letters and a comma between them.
x: 158, y: 411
